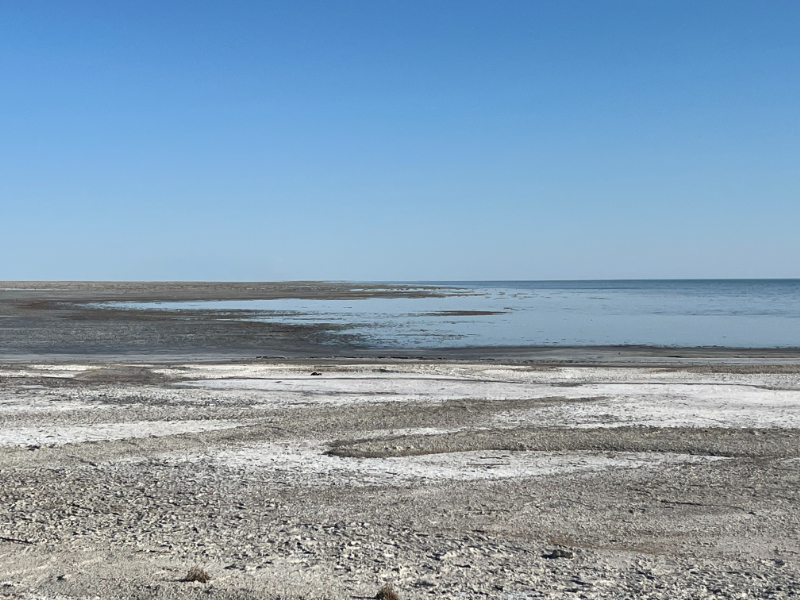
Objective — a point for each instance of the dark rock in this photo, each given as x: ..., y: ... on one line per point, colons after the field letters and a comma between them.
x: 558, y: 553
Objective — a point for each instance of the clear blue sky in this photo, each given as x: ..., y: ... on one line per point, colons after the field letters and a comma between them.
x: 407, y: 140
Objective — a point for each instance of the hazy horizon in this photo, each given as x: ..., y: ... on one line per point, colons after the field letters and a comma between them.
x: 431, y: 282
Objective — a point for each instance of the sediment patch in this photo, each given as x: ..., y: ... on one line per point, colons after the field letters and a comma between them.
x: 699, y: 441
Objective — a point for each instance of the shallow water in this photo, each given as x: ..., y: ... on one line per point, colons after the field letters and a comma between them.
x: 725, y: 313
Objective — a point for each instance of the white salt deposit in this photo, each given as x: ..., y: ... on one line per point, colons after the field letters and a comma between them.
x: 644, y: 397
x: 607, y: 397
x: 62, y: 371
x: 21, y: 404
x: 57, y: 435
x: 304, y: 462
x: 672, y: 405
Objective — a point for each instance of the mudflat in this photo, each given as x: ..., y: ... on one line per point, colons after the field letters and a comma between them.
x: 138, y: 445
x: 69, y: 320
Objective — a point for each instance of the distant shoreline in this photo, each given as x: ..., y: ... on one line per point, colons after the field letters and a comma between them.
x: 54, y: 321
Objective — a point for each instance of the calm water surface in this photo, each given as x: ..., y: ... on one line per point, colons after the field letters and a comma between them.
x: 732, y: 313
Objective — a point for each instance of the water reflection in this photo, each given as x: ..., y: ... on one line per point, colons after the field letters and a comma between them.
x: 663, y: 313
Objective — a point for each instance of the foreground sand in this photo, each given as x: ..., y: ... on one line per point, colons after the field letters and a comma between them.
x: 327, y: 479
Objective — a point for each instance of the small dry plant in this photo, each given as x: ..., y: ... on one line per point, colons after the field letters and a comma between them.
x: 197, y: 574
x: 387, y: 593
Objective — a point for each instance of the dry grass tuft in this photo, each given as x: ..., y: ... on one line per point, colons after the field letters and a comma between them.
x: 197, y: 574
x: 387, y: 593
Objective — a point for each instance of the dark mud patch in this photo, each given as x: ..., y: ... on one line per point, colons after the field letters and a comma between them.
x: 119, y: 374
x: 725, y: 442
x: 451, y: 414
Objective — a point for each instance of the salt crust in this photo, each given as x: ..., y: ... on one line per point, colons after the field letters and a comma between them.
x: 304, y: 462
x: 644, y: 397
x: 601, y: 397
x: 58, y: 435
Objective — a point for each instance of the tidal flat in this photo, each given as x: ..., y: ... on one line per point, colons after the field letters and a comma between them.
x: 135, y: 447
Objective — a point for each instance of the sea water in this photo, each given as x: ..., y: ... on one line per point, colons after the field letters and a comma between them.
x: 725, y: 313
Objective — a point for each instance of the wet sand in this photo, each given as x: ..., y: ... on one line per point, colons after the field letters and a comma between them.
x: 134, y: 447
x: 60, y: 320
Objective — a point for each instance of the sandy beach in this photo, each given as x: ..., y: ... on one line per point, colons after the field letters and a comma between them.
x: 135, y: 446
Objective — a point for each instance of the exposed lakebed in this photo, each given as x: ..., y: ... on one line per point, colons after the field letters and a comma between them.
x: 327, y: 479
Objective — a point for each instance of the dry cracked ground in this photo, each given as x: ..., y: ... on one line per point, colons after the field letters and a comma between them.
x: 443, y: 479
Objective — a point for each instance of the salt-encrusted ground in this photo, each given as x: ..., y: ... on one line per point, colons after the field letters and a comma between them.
x: 446, y: 479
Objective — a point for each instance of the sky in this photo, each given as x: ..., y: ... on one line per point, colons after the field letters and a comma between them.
x: 399, y: 141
